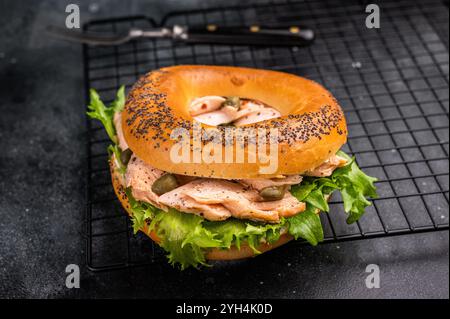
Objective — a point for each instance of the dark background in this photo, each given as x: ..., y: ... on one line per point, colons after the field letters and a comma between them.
x: 42, y: 192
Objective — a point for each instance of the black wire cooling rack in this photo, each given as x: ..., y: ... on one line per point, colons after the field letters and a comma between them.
x: 392, y: 83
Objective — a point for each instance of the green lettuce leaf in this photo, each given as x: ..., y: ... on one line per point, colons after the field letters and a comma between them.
x: 234, y: 232
x: 229, y: 232
x: 354, y: 185
x: 115, y: 149
x: 187, y: 237
x: 105, y: 114
x: 307, y: 225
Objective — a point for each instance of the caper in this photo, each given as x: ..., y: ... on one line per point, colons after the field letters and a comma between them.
x: 233, y: 101
x: 164, y: 184
x: 125, y: 156
x: 272, y: 193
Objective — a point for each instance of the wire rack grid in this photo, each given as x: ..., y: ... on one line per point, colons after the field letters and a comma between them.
x: 391, y: 82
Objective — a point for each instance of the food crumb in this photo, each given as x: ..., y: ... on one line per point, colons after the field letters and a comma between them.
x: 356, y: 64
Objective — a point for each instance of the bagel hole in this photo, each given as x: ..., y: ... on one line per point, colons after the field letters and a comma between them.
x: 215, y: 110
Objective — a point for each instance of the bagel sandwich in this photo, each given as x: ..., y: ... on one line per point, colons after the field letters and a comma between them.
x: 223, y: 163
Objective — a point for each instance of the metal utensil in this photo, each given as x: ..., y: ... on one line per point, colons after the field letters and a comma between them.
x: 211, y: 34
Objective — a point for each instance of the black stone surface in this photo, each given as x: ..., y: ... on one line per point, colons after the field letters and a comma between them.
x: 42, y: 175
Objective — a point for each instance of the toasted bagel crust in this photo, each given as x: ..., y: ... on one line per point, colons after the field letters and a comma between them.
x: 212, y: 254
x: 312, y: 126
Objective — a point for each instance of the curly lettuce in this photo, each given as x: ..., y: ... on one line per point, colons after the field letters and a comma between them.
x: 307, y: 225
x: 105, y: 114
x: 187, y: 237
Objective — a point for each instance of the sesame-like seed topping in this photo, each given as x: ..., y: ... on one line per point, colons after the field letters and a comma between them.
x: 148, y: 112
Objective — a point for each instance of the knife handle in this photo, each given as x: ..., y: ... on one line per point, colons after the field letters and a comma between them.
x: 252, y: 35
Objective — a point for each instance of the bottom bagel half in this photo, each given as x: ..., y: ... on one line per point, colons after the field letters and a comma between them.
x: 232, y: 253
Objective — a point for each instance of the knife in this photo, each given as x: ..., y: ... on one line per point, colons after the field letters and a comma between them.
x: 209, y: 34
